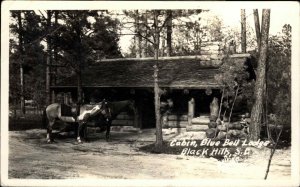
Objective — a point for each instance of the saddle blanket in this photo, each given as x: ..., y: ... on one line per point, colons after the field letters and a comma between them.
x: 89, y: 112
x: 66, y: 110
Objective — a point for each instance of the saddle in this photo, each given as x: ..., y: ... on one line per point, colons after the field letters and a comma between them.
x: 69, y: 110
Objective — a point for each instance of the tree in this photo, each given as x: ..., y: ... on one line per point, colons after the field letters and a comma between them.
x: 26, y: 53
x: 179, y: 25
x: 257, y: 109
x: 85, y: 37
x: 243, y: 30
x: 153, y: 25
x: 159, y: 137
x: 49, y: 56
x: 214, y: 28
x: 75, y: 39
x: 257, y: 27
x: 73, y: 43
x: 237, y: 85
x: 187, y: 31
x: 21, y: 51
x: 279, y: 77
x: 137, y: 38
x: 137, y: 19
x: 279, y: 102
x: 169, y: 32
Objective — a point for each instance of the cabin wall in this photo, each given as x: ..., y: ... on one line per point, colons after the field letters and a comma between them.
x: 144, y: 100
x: 188, y: 104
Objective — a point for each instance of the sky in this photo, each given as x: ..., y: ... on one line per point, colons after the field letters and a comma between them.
x: 231, y: 18
x: 278, y: 17
x: 281, y: 12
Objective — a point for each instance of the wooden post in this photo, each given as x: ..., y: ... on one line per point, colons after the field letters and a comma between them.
x: 53, y: 98
x: 136, y: 118
x: 164, y: 120
x: 66, y: 98
x: 139, y: 113
x: 191, y: 110
x: 214, y: 109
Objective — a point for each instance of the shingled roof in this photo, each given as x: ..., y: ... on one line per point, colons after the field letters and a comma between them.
x: 135, y: 73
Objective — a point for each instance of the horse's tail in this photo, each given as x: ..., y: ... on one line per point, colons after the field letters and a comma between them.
x: 44, y: 119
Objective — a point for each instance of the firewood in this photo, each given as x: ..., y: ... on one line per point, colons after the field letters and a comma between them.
x: 221, y: 135
x: 177, y: 118
x: 197, y: 127
x: 211, y: 133
x: 221, y: 127
x: 200, y: 120
x: 212, y: 125
x: 175, y: 124
x: 122, y: 122
x: 234, y: 133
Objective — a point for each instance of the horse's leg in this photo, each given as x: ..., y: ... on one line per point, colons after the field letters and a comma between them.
x: 107, y: 136
x: 49, y: 131
x: 85, y: 133
x: 80, y: 125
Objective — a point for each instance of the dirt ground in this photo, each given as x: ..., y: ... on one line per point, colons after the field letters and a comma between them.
x: 31, y: 157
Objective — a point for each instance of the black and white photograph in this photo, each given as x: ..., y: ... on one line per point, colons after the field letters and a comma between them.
x: 149, y: 93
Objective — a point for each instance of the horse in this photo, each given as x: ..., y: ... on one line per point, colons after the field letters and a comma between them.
x: 114, y: 109
x: 52, y: 113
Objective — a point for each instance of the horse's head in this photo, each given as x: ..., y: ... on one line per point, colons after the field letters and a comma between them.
x: 105, y: 110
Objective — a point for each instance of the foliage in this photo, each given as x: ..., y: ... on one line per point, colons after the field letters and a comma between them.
x: 32, y: 56
x: 81, y: 42
x: 279, y: 76
x: 237, y: 87
x: 80, y: 38
x: 215, y: 28
x: 183, y: 22
x: 104, y: 40
x: 234, y: 34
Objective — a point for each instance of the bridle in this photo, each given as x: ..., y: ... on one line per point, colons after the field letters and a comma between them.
x: 105, y: 110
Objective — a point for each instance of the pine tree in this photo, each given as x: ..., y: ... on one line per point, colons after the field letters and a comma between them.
x: 257, y: 109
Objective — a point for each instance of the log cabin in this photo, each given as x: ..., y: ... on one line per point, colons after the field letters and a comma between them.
x: 189, y: 81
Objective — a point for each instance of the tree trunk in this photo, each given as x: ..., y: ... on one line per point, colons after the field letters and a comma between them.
x: 55, y: 57
x: 79, y: 87
x: 22, y: 99
x: 243, y: 31
x: 22, y: 88
x: 144, y: 42
x: 257, y: 109
x: 137, y: 38
x: 159, y: 138
x: 169, y: 33
x: 163, y: 47
x: 221, y: 103
x: 49, y: 57
x: 257, y: 28
x: 80, y: 63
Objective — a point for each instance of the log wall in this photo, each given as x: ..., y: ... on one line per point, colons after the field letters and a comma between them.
x: 123, y: 119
